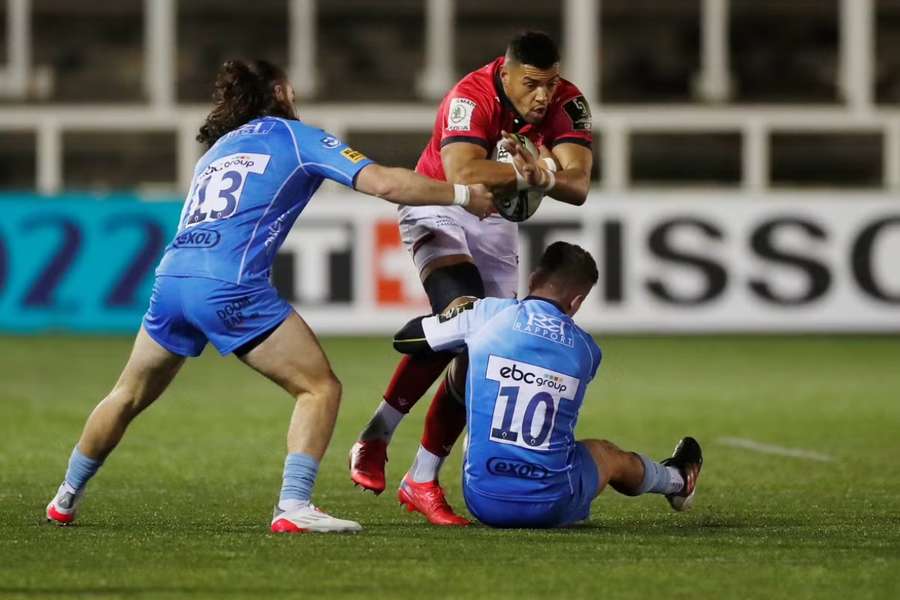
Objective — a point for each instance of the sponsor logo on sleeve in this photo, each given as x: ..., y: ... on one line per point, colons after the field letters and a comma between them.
x: 329, y: 141
x: 579, y: 111
x: 459, y: 117
x: 352, y: 155
x: 547, y: 327
x: 457, y: 310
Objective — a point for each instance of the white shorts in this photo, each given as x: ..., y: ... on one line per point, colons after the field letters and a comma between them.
x: 430, y: 232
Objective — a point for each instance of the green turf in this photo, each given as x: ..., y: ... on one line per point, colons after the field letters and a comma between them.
x: 181, y: 509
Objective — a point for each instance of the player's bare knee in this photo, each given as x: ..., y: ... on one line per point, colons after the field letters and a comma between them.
x: 126, y: 399
x: 450, y: 286
x: 327, y: 388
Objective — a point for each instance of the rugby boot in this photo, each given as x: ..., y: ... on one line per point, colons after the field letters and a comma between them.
x: 367, y: 460
x: 688, y: 459
x: 62, y: 509
x: 310, y: 519
x: 428, y: 499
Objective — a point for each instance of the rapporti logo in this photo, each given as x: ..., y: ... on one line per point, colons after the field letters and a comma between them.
x: 547, y: 327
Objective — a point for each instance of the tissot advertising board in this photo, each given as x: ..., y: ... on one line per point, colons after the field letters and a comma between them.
x: 668, y: 263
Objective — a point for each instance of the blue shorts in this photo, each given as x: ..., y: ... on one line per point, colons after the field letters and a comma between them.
x: 186, y: 312
x: 557, y: 513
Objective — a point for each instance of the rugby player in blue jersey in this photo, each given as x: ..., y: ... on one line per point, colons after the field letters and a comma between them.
x: 261, y: 168
x: 529, y: 367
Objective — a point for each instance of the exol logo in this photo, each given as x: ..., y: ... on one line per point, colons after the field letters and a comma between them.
x: 510, y: 467
x: 514, y: 373
x: 547, y: 327
x: 197, y: 238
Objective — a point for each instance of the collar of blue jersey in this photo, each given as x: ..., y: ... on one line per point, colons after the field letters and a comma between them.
x: 518, y: 120
x: 548, y: 300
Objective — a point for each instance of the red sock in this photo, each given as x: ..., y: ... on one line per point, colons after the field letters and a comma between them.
x: 413, y: 377
x: 444, y: 423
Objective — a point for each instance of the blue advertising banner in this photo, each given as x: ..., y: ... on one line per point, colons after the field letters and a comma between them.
x: 78, y: 263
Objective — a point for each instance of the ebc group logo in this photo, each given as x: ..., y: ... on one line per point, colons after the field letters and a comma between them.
x: 513, y: 372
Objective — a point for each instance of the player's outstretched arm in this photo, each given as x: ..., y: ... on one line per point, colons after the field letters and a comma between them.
x: 403, y: 186
x: 467, y: 163
x: 569, y: 183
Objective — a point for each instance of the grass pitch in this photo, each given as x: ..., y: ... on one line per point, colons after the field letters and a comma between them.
x: 182, y: 508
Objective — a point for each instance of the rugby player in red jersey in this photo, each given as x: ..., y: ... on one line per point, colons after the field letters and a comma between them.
x: 459, y: 256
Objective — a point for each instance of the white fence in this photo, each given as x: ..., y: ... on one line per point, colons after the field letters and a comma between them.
x: 582, y: 28
x: 613, y: 127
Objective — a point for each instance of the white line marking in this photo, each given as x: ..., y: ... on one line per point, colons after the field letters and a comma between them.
x: 772, y: 449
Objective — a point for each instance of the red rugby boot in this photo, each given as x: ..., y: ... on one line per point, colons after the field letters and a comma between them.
x: 367, y: 460
x: 428, y: 499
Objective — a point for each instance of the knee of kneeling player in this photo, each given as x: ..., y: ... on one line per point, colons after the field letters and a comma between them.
x: 453, y: 285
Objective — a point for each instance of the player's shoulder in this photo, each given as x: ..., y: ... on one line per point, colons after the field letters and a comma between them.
x: 495, y: 305
x: 479, y: 84
x: 294, y: 128
x: 574, y: 105
x: 590, y: 348
x: 567, y: 91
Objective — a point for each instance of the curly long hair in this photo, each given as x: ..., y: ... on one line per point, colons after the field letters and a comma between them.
x: 244, y: 90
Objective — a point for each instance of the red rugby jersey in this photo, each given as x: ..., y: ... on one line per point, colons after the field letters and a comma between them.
x: 476, y: 110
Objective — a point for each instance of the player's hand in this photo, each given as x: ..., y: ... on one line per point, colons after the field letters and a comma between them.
x: 525, y: 163
x: 481, y: 201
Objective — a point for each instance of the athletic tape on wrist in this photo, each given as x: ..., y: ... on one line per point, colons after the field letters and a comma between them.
x: 550, y: 182
x: 521, y: 182
x: 460, y: 194
x: 550, y: 164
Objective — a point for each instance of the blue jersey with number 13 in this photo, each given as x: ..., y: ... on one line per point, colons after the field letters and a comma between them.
x: 247, y: 191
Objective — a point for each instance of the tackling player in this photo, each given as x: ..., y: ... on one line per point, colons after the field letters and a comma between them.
x: 261, y: 169
x: 529, y: 369
x: 457, y: 256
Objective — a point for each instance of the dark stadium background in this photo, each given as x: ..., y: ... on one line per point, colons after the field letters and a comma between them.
x: 759, y: 138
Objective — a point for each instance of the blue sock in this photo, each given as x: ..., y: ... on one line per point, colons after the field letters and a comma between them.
x: 657, y: 478
x: 300, y: 472
x: 81, y: 469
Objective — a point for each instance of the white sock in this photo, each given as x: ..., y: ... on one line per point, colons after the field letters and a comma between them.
x: 426, y: 466
x: 676, y: 481
x: 383, y: 423
x: 289, y: 505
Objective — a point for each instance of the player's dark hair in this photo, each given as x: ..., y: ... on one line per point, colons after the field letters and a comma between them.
x: 568, y: 264
x: 534, y: 48
x: 244, y: 90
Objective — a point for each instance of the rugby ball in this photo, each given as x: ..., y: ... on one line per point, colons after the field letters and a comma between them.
x: 517, y: 206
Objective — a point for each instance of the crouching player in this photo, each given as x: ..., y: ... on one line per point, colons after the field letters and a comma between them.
x: 529, y: 367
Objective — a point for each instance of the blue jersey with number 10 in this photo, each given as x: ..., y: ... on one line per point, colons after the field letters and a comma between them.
x: 529, y: 366
x: 247, y: 191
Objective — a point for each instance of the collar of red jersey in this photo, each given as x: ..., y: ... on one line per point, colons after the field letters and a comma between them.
x: 518, y: 120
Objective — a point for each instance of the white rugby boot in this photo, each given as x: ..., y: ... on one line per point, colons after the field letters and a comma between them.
x: 309, y: 519
x: 62, y: 509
